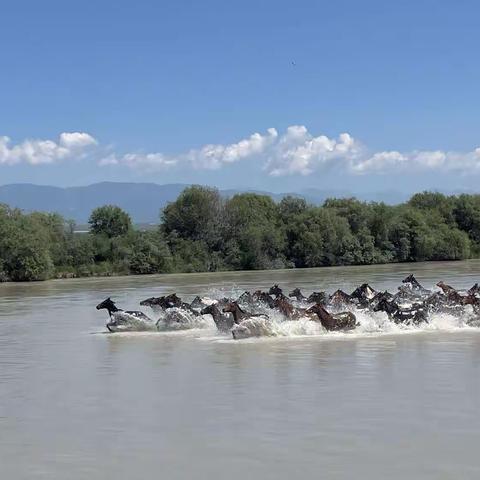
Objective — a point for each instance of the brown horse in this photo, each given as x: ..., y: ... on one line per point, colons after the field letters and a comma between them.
x: 238, y: 314
x: 340, y: 298
x: 455, y: 297
x: 336, y: 322
x: 282, y: 304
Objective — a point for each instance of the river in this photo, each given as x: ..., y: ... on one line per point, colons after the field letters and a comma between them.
x: 77, y: 403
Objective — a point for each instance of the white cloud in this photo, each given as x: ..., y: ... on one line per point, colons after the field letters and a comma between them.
x: 215, y: 156
x: 209, y: 157
x: 74, y: 140
x: 147, y: 161
x: 37, y: 152
x: 294, y: 152
x: 298, y: 152
x: 416, y: 161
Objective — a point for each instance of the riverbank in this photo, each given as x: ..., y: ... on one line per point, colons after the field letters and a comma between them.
x: 103, y: 273
x: 201, y: 232
x: 351, y: 276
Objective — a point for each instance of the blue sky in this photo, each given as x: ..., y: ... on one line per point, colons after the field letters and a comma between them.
x: 253, y: 94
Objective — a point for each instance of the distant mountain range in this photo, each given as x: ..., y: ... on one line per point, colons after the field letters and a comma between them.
x: 142, y: 201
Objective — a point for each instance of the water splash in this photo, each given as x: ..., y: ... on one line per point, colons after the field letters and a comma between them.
x: 277, y: 326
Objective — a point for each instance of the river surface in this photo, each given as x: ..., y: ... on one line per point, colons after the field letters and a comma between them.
x: 380, y: 403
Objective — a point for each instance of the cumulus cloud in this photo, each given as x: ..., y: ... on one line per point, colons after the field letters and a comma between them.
x: 209, y: 157
x: 298, y: 152
x: 215, y: 156
x: 294, y: 152
x: 38, y: 152
x: 437, y: 160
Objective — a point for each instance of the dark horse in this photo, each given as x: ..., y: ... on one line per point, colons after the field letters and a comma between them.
x: 411, y: 283
x: 297, y: 294
x: 413, y: 315
x: 123, y: 320
x: 166, y: 302
x: 364, y: 294
x: 223, y: 322
x: 275, y: 290
x: 314, y: 297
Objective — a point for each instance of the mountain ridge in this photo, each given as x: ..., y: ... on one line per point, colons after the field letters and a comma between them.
x: 143, y: 201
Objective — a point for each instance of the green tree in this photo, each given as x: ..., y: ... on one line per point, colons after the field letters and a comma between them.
x: 253, y: 225
x: 150, y: 254
x: 196, y: 215
x: 110, y: 221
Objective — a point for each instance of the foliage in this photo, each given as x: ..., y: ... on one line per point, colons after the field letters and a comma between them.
x: 110, y: 221
x: 201, y: 231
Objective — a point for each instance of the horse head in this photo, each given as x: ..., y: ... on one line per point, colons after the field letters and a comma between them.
x: 107, y: 304
x: 231, y: 307
x: 209, y: 310
x: 415, y: 284
x: 296, y: 293
x: 275, y: 290
x: 385, y: 305
x: 148, y: 302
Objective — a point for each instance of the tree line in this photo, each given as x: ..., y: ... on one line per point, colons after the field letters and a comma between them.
x: 202, y: 231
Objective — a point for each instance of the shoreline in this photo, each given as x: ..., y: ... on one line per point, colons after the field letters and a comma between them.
x: 272, y: 272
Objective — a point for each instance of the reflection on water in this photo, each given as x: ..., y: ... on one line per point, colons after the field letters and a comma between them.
x: 76, y: 403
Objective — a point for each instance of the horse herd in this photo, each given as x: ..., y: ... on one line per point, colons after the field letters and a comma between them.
x: 250, y: 314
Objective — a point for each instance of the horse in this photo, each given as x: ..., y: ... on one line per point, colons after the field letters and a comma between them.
x: 282, y: 304
x: 317, y: 297
x: 166, y: 302
x: 275, y: 290
x: 264, y: 298
x: 413, y: 315
x: 200, y: 302
x: 125, y: 321
x: 412, y: 282
x: 378, y: 298
x: 456, y: 298
x: 297, y: 295
x: 336, y: 322
x: 245, y: 299
x: 238, y: 314
x: 447, y: 289
x: 412, y: 287
x: 364, y: 293
x: 340, y: 299
x: 223, y: 322
x: 474, y: 290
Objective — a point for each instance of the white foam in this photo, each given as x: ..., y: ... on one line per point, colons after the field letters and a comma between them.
x: 179, y: 319
x: 278, y: 327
